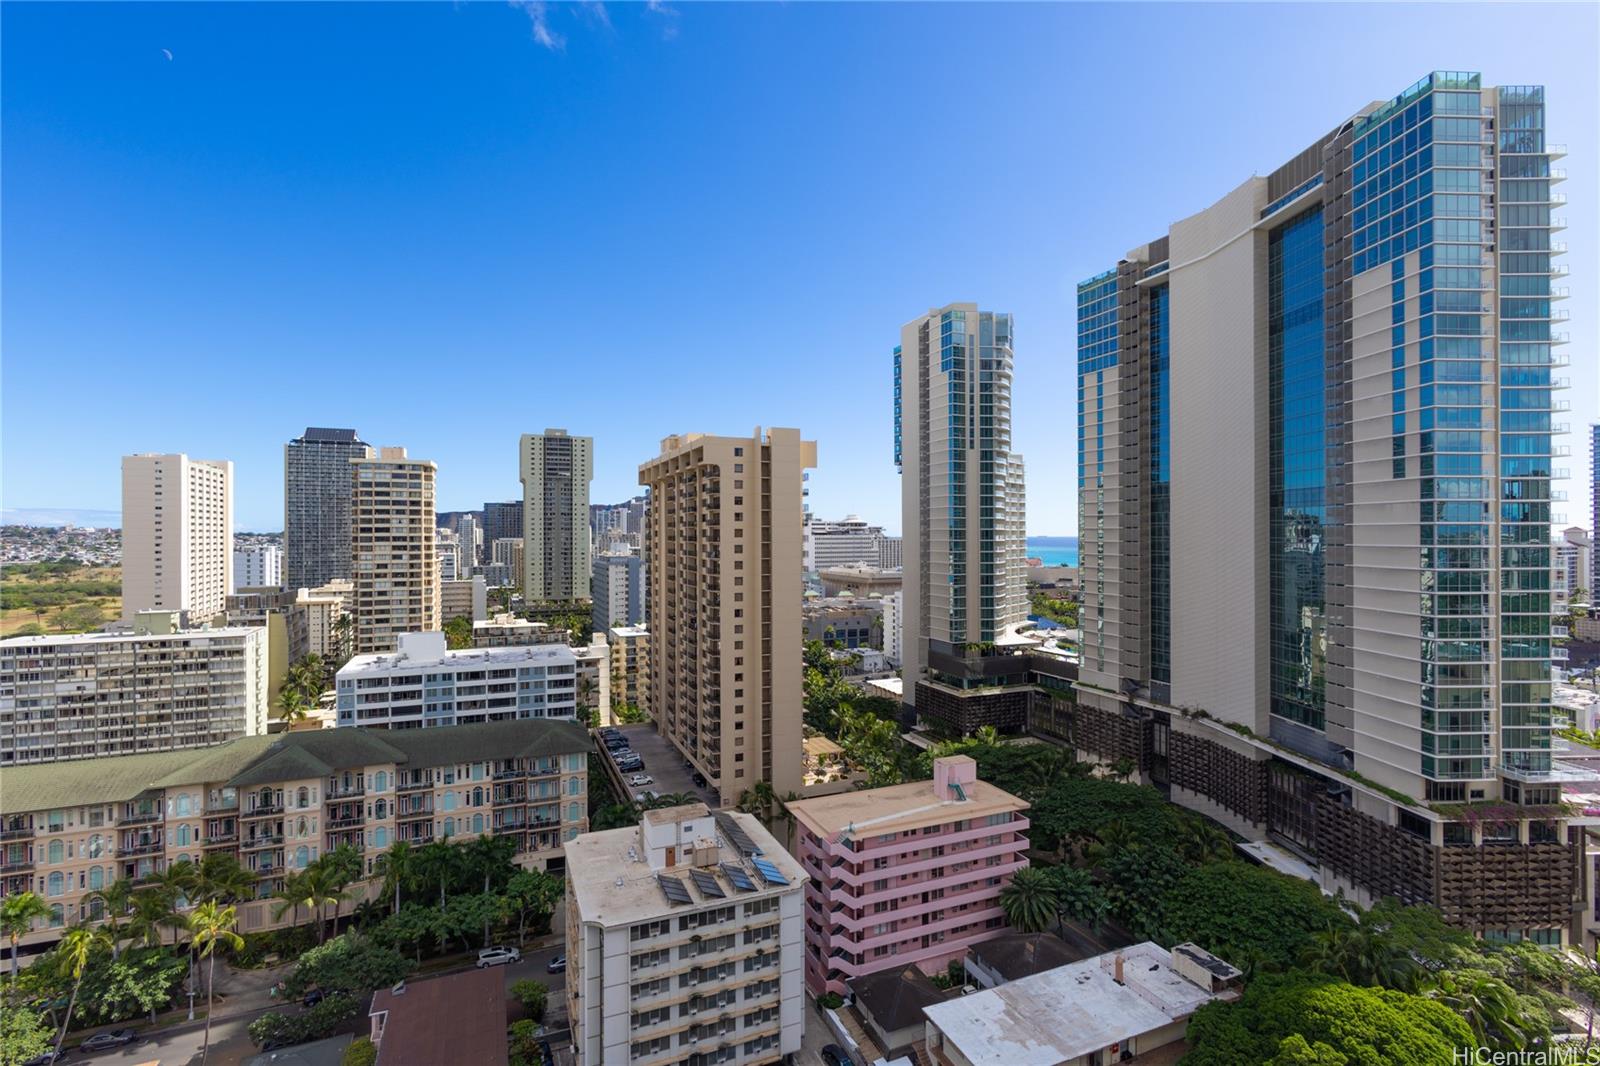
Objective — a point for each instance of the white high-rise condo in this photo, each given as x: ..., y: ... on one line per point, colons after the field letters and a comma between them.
x: 962, y: 516
x: 316, y: 506
x: 556, y: 471
x: 1315, y: 429
x: 396, y: 572
x: 177, y: 535
x: 257, y: 566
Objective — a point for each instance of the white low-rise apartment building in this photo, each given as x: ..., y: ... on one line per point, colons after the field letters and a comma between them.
x: 423, y: 684
x: 96, y: 694
x: 684, y: 942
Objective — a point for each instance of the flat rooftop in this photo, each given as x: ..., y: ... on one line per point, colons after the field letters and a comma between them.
x: 613, y: 884
x: 894, y: 809
x: 516, y: 654
x: 1071, y: 1011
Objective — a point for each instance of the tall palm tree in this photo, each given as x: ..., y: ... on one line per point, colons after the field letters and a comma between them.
x: 437, y: 862
x: 17, y: 915
x: 317, y: 888
x: 74, y: 951
x: 1203, y: 841
x: 154, y: 912
x: 222, y: 878
x: 293, y: 706
x: 115, y: 899
x: 211, y: 926
x: 397, y: 865
x: 291, y: 895
x: 1029, y: 900
x: 1113, y: 838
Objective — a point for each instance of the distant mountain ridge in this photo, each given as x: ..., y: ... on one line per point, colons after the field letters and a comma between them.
x: 52, y: 517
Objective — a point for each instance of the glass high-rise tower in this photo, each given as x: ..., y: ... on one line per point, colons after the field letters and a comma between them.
x: 316, y: 506
x: 1315, y: 432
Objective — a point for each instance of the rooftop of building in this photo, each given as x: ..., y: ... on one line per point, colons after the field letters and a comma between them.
x: 414, y: 653
x: 1017, y: 955
x: 123, y: 635
x: 630, y: 632
x: 322, y: 433
x: 614, y: 883
x: 457, y: 1018
x: 898, y: 808
x: 509, y: 621
x: 895, y: 998
x: 1078, y: 1009
x: 293, y: 756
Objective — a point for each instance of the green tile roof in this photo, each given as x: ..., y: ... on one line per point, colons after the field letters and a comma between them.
x: 252, y: 761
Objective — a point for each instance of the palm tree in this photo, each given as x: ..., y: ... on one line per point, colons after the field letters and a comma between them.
x: 1203, y: 841
x: 788, y: 816
x: 436, y: 862
x: 396, y: 866
x: 17, y: 915
x: 1487, y: 1004
x: 220, y: 877
x: 292, y: 704
x: 209, y: 926
x: 987, y: 736
x: 759, y: 799
x: 1029, y: 900
x: 74, y: 951
x: 317, y: 888
x: 154, y: 911
x: 115, y: 899
x: 1113, y: 838
x: 290, y: 895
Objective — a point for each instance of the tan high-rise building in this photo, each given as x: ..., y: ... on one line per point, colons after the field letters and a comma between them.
x: 556, y: 471
x: 722, y: 539
x: 177, y: 535
x: 396, y: 572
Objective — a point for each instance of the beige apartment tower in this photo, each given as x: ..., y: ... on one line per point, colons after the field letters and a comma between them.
x: 556, y: 470
x: 396, y: 572
x: 177, y: 535
x: 722, y: 540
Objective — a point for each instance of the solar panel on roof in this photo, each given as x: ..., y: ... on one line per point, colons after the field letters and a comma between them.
x: 706, y: 882
x: 736, y: 834
x: 738, y: 877
x: 769, y: 873
x: 674, y: 889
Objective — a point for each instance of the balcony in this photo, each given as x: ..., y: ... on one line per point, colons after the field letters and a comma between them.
x: 353, y: 792
x: 219, y: 839
x: 15, y: 866
x: 258, y: 842
x: 420, y: 812
x: 263, y: 810
x: 509, y: 828
x: 139, y: 818
x: 345, y: 823
x: 22, y: 832
x: 143, y: 847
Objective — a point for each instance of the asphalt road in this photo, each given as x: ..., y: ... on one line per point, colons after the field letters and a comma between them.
x: 231, y: 1044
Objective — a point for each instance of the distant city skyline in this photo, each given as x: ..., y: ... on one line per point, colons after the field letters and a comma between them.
x: 420, y: 221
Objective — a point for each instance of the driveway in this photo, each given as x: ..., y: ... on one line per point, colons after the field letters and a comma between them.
x: 662, y: 762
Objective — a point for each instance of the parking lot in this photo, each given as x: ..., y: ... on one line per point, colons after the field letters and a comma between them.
x: 662, y: 762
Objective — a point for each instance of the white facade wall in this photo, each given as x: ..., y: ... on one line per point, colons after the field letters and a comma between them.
x: 177, y: 535
x: 257, y: 566
x: 422, y: 684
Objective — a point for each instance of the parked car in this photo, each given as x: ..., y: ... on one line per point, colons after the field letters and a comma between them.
x: 46, y: 1058
x: 109, y: 1039
x: 312, y: 998
x: 645, y: 797
x: 699, y: 779
x: 616, y: 742
x: 834, y: 1055
x: 634, y: 763
x: 557, y: 965
x: 640, y: 780
x: 498, y: 957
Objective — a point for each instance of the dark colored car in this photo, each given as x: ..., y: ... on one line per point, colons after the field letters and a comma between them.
x: 312, y: 998
x: 834, y: 1055
x: 109, y: 1039
x: 47, y: 1058
x: 699, y: 779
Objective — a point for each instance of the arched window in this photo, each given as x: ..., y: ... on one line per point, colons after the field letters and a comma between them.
x: 449, y: 827
x: 302, y: 857
x: 477, y: 797
x: 97, y: 878
x: 97, y: 845
x: 450, y: 802
x: 380, y: 837
x: 380, y: 781
x: 380, y: 809
x: 58, y: 916
x: 184, y: 836
x: 184, y: 805
x: 300, y: 827
x: 97, y: 909
x: 572, y: 812
x: 58, y: 851
x: 56, y: 883
x: 573, y: 787
x: 302, y: 798
x: 477, y: 823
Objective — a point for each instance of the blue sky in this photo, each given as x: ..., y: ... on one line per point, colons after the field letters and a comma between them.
x: 445, y: 225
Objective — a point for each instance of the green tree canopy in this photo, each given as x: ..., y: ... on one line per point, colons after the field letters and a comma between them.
x: 1234, y: 909
x: 348, y: 963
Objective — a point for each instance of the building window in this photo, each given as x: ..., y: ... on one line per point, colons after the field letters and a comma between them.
x: 302, y: 857
x: 55, y: 884
x: 57, y: 851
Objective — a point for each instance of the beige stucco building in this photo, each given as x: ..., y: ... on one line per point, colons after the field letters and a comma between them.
x: 556, y: 470
x: 278, y: 802
x: 723, y: 545
x: 393, y: 564
x: 630, y: 666
x: 177, y: 535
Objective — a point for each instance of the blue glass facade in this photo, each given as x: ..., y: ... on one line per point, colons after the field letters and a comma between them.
x: 1297, y: 424
x: 953, y: 348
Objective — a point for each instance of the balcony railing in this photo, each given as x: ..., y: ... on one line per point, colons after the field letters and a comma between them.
x: 270, y: 840
x: 139, y: 818
x: 19, y: 833
x: 147, y: 847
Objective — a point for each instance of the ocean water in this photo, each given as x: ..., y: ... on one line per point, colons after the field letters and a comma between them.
x: 1054, y: 551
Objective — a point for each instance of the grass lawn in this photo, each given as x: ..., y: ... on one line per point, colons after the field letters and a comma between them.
x: 15, y: 618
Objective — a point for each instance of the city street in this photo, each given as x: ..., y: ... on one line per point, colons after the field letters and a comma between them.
x: 231, y: 1045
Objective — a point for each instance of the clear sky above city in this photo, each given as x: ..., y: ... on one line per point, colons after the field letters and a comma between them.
x: 448, y: 224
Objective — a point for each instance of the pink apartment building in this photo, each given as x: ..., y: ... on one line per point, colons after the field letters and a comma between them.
x: 906, y: 874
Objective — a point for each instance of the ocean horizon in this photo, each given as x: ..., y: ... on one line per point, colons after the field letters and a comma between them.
x: 1054, y: 551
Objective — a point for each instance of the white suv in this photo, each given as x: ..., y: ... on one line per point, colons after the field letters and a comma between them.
x: 498, y: 957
